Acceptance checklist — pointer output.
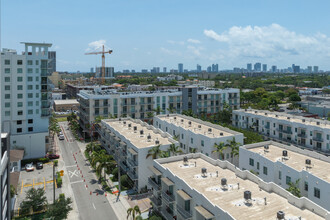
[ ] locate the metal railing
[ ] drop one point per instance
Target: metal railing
(132, 175)
(156, 201)
(153, 184)
(318, 139)
(168, 198)
(184, 213)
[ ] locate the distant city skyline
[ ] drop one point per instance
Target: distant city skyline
(186, 32)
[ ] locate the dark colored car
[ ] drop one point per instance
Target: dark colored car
(39, 165)
(52, 156)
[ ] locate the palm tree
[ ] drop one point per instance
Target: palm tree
(154, 152)
(158, 110)
(164, 154)
(234, 146)
(133, 212)
(150, 115)
(174, 150)
(294, 188)
(105, 163)
(171, 110)
(193, 150)
(220, 148)
(95, 157)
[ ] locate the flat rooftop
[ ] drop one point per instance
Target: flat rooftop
(293, 118)
(231, 199)
(138, 140)
(295, 160)
(197, 126)
(66, 102)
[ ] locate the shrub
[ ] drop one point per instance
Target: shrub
(115, 172)
(126, 181)
(55, 163)
(59, 179)
(44, 160)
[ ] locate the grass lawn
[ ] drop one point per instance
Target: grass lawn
(61, 119)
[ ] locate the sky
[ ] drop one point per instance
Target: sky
(162, 33)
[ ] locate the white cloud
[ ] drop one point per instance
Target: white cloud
(195, 50)
(273, 41)
(95, 45)
(193, 41)
(170, 52)
(176, 42)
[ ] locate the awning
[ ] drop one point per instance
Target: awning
(133, 152)
(155, 171)
(183, 195)
(205, 213)
(167, 181)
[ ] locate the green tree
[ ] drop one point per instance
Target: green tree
(294, 188)
(154, 152)
(174, 150)
(294, 98)
(290, 92)
(35, 199)
(171, 110)
(104, 163)
(234, 146)
(220, 148)
(133, 212)
(188, 113)
(158, 110)
(60, 209)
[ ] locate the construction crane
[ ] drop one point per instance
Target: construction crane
(103, 60)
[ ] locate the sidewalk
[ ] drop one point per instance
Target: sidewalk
(120, 207)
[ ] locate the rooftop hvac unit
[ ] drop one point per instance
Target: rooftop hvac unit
(204, 171)
(124, 122)
(223, 182)
(129, 125)
(308, 162)
(318, 123)
(174, 118)
(276, 116)
(119, 119)
(209, 130)
(247, 195)
(182, 120)
(303, 120)
(284, 153)
(280, 215)
(135, 128)
(189, 123)
(157, 142)
(256, 112)
(245, 110)
(168, 115)
(265, 113)
(288, 118)
(221, 134)
(141, 132)
(266, 147)
(149, 137)
(199, 126)
(185, 159)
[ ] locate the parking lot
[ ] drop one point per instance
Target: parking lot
(42, 178)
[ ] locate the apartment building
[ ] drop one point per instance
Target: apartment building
(283, 164)
(197, 187)
(141, 104)
(196, 135)
(129, 141)
(72, 90)
(25, 97)
(305, 132)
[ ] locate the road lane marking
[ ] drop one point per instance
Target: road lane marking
(77, 182)
(71, 166)
(94, 206)
(44, 183)
(22, 187)
(33, 184)
(71, 174)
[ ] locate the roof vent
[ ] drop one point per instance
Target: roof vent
(265, 113)
(204, 171)
(174, 118)
(157, 142)
(129, 125)
(303, 120)
(245, 110)
(223, 182)
(221, 134)
(280, 215)
(199, 126)
(119, 119)
(318, 123)
(247, 195)
(308, 162)
(185, 159)
(135, 128)
(209, 130)
(141, 132)
(168, 115)
(189, 123)
(124, 122)
(288, 118)
(266, 147)
(256, 112)
(149, 137)
(284, 153)
(276, 116)
(182, 120)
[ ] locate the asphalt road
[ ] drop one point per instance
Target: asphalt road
(90, 205)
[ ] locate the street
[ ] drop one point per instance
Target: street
(90, 199)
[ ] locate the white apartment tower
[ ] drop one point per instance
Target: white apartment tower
(26, 98)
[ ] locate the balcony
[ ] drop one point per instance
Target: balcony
(132, 162)
(153, 184)
(165, 213)
(132, 175)
(169, 198)
(302, 135)
(284, 131)
(185, 214)
(156, 201)
(267, 126)
(318, 139)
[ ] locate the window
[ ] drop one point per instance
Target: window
(19, 70)
(258, 166)
(328, 137)
(306, 186)
(30, 87)
(37, 95)
(30, 121)
(280, 175)
(19, 62)
(7, 104)
(7, 79)
(30, 129)
(7, 87)
(30, 79)
(166, 129)
(19, 130)
(191, 140)
(19, 112)
(30, 112)
(19, 104)
(7, 70)
(317, 192)
(37, 86)
(37, 62)
(30, 103)
(29, 62)
(37, 70)
(202, 143)
(30, 70)
(19, 87)
(30, 95)
(265, 170)
(7, 113)
(37, 111)
(288, 180)
(19, 79)
(181, 136)
(251, 162)
(7, 62)
(37, 103)
(19, 96)
(37, 79)
(19, 122)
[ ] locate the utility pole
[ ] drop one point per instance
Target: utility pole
(54, 181)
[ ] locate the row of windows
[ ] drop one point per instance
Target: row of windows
(20, 79)
(19, 122)
(19, 62)
(20, 87)
(30, 112)
(20, 104)
(20, 96)
(19, 130)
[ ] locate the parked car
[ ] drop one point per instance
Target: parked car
(60, 133)
(52, 156)
(29, 167)
(40, 165)
(61, 137)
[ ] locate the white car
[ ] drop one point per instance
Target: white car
(29, 167)
(61, 137)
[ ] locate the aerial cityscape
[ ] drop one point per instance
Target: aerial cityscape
(165, 110)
